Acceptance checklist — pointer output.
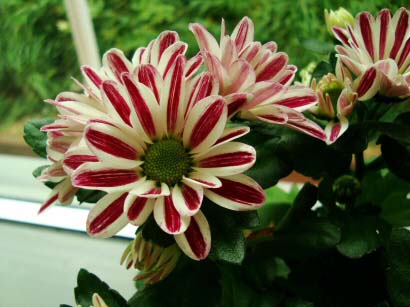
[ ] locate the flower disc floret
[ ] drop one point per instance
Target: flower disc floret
(167, 161)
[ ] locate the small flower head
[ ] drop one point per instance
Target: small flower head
(153, 262)
(376, 50)
(339, 18)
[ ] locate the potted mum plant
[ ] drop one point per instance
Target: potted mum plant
(190, 150)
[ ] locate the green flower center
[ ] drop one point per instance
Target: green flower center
(334, 89)
(167, 161)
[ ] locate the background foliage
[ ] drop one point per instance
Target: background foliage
(38, 55)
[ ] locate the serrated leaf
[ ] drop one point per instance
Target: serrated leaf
(88, 284)
(398, 272)
(35, 138)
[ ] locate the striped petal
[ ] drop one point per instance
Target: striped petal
(264, 93)
(274, 65)
(205, 123)
(203, 86)
(187, 199)
(298, 98)
(149, 76)
(202, 179)
(271, 114)
(195, 242)
(116, 64)
(205, 39)
(164, 40)
(242, 76)
(367, 85)
(193, 64)
(238, 192)
(243, 33)
(227, 159)
(401, 25)
(107, 217)
(74, 159)
(232, 133)
(335, 129)
(236, 101)
(145, 105)
(228, 51)
(215, 67)
(138, 209)
(98, 176)
(382, 24)
(168, 218)
(172, 96)
(112, 144)
(93, 78)
(170, 56)
(116, 100)
(300, 123)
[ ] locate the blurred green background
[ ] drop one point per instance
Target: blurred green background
(38, 56)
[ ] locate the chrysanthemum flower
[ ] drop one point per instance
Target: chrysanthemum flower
(166, 149)
(255, 79)
(377, 52)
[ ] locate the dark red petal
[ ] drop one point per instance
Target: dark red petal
(108, 216)
(402, 27)
(111, 145)
(228, 159)
(172, 217)
(207, 122)
(116, 64)
(273, 68)
(140, 105)
(191, 197)
(92, 75)
(105, 178)
(366, 30)
(367, 81)
(195, 239)
(117, 100)
(136, 208)
(175, 88)
(75, 161)
(147, 76)
(239, 192)
(384, 16)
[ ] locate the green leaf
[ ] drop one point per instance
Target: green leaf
(228, 241)
(306, 237)
(398, 272)
(35, 138)
(89, 196)
(396, 208)
(361, 235)
(88, 284)
(192, 283)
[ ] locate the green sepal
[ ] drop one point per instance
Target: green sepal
(35, 138)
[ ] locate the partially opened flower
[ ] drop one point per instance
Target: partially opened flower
(338, 18)
(168, 150)
(336, 102)
(377, 52)
(255, 79)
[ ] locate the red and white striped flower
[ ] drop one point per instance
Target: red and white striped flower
(167, 149)
(377, 52)
(255, 79)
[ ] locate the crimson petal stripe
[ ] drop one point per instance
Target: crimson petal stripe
(105, 178)
(75, 161)
(228, 159)
(147, 76)
(172, 217)
(174, 98)
(117, 101)
(402, 27)
(116, 64)
(196, 240)
(136, 208)
(239, 192)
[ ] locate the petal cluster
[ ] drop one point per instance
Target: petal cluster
(255, 79)
(376, 50)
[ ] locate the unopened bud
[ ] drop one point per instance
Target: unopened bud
(346, 189)
(338, 18)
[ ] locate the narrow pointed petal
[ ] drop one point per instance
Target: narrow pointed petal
(243, 33)
(271, 114)
(168, 218)
(300, 123)
(145, 105)
(170, 56)
(116, 100)
(228, 51)
(108, 142)
(366, 21)
(187, 199)
(227, 159)
(93, 78)
(383, 21)
(164, 40)
(367, 85)
(75, 160)
(265, 93)
(172, 97)
(298, 98)
(205, 39)
(232, 133)
(204, 86)
(238, 192)
(116, 63)
(236, 101)
(205, 123)
(195, 242)
(97, 176)
(202, 179)
(107, 217)
(215, 67)
(150, 77)
(137, 57)
(402, 29)
(193, 64)
(138, 209)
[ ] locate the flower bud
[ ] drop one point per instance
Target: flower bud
(154, 262)
(346, 188)
(338, 18)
